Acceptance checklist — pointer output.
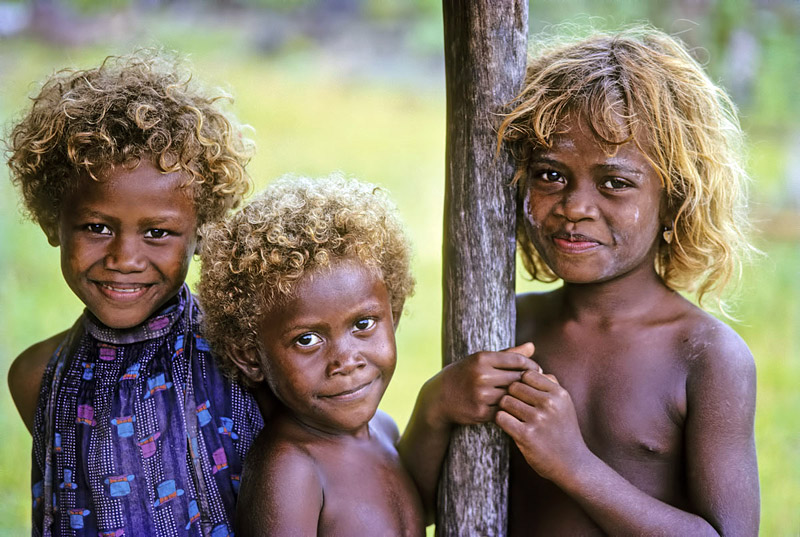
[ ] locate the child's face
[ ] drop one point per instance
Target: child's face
(329, 352)
(590, 215)
(126, 242)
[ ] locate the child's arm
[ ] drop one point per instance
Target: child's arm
(281, 494)
(463, 393)
(25, 376)
(721, 471)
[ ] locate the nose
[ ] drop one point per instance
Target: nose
(345, 360)
(124, 255)
(579, 202)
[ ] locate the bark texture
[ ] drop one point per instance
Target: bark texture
(485, 55)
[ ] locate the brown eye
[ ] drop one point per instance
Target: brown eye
(547, 176)
(308, 340)
(615, 183)
(364, 324)
(100, 229)
(156, 233)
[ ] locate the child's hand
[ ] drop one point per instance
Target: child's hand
(539, 416)
(467, 392)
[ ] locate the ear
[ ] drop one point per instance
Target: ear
(51, 231)
(247, 360)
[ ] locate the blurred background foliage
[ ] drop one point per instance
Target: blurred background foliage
(358, 86)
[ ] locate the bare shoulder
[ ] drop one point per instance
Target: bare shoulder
(713, 344)
(720, 365)
(719, 434)
(25, 376)
(281, 488)
(274, 456)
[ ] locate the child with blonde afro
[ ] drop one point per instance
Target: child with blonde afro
(303, 291)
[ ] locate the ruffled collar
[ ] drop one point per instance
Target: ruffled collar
(157, 325)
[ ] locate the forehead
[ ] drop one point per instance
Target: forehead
(577, 140)
(343, 279)
(143, 188)
(332, 289)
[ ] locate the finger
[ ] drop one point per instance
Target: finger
(540, 381)
(502, 378)
(491, 396)
(517, 408)
(512, 360)
(526, 349)
(528, 394)
(508, 423)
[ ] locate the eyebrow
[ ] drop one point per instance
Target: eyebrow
(367, 307)
(545, 160)
(619, 167)
(89, 214)
(610, 166)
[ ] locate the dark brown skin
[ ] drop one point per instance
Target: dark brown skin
(126, 242)
(301, 481)
(25, 376)
(466, 392)
(642, 420)
(326, 463)
(643, 424)
(638, 418)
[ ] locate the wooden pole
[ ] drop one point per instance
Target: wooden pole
(485, 54)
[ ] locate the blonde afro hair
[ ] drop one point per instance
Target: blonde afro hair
(683, 123)
(141, 106)
(254, 259)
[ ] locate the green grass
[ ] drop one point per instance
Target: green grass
(308, 120)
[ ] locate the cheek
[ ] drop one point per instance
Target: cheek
(533, 213)
(289, 378)
(179, 260)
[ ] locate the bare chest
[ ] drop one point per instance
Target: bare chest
(628, 391)
(367, 492)
(630, 399)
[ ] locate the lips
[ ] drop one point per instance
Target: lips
(574, 243)
(122, 291)
(350, 394)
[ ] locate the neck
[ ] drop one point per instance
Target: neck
(631, 296)
(291, 421)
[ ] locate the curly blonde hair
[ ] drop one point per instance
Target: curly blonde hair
(681, 121)
(253, 260)
(141, 106)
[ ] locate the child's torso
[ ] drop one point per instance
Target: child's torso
(366, 489)
(628, 387)
(370, 492)
(139, 434)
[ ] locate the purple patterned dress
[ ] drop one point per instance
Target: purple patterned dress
(138, 433)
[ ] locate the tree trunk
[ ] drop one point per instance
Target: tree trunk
(485, 55)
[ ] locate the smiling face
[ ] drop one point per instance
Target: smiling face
(126, 242)
(328, 351)
(592, 215)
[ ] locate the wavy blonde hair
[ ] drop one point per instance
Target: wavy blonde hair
(684, 124)
(141, 106)
(254, 259)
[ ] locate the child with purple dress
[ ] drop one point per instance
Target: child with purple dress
(135, 429)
